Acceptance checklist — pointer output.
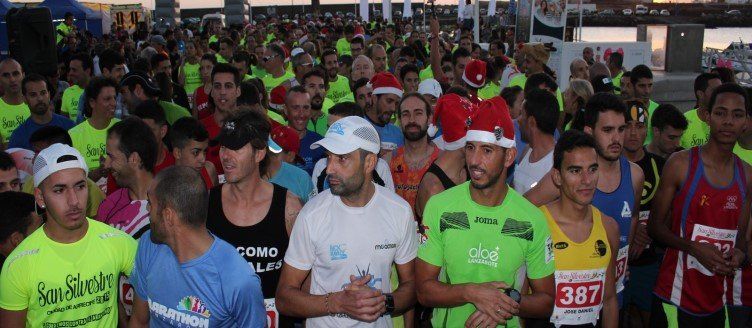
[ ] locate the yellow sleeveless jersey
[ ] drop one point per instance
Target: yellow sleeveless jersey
(580, 272)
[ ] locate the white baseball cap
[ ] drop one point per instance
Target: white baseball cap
(349, 134)
(56, 158)
(430, 87)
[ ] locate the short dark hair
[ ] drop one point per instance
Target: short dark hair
(33, 77)
(16, 213)
(328, 52)
(510, 94)
(93, 90)
(542, 105)
(86, 61)
(361, 82)
(109, 58)
(134, 136)
(183, 190)
(249, 94)
(422, 98)
(726, 74)
(186, 129)
(571, 140)
(6, 161)
(227, 41)
(407, 69)
(151, 109)
(315, 72)
(640, 72)
(158, 58)
(358, 40)
(51, 134)
(730, 88)
(617, 59)
(460, 91)
(241, 56)
(702, 81)
(345, 109)
(668, 115)
(226, 68)
(537, 79)
(211, 58)
(407, 52)
(277, 50)
(459, 53)
(600, 103)
(140, 64)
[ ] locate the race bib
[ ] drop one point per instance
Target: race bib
(221, 179)
(272, 316)
(723, 239)
(579, 297)
(126, 295)
(621, 267)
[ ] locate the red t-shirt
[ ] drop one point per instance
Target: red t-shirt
(201, 100)
(212, 154)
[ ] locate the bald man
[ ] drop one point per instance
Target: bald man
(13, 109)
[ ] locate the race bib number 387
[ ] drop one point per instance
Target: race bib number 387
(579, 296)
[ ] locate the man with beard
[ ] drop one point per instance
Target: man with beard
(339, 86)
(37, 97)
(386, 94)
(80, 255)
(79, 73)
(480, 233)
(537, 122)
(448, 170)
(253, 215)
(701, 213)
(13, 110)
(316, 84)
(619, 182)
(377, 54)
(362, 92)
(176, 257)
(298, 113)
(411, 161)
(348, 238)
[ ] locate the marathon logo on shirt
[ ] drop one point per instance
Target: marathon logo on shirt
(12, 124)
(75, 287)
(198, 315)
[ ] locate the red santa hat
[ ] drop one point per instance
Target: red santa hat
(492, 124)
(452, 113)
(386, 83)
(475, 73)
(277, 98)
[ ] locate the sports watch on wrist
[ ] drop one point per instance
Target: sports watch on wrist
(389, 303)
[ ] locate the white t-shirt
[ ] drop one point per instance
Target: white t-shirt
(382, 169)
(334, 241)
(468, 12)
(527, 174)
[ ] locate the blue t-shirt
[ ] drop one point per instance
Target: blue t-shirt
(310, 156)
(216, 289)
(390, 135)
(294, 179)
(21, 135)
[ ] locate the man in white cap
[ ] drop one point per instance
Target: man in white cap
(82, 258)
(386, 95)
(480, 233)
(348, 238)
(431, 90)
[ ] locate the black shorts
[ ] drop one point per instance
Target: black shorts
(666, 315)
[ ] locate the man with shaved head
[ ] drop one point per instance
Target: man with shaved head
(13, 109)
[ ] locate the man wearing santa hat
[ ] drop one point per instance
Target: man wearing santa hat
(452, 113)
(480, 233)
(386, 95)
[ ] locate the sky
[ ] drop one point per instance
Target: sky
(218, 3)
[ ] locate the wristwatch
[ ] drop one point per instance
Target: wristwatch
(513, 294)
(389, 304)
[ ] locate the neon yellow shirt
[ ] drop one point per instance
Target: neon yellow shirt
(651, 108)
(221, 59)
(520, 80)
(489, 91)
(90, 142)
(61, 31)
(744, 154)
(697, 131)
(276, 117)
(271, 82)
(343, 47)
(192, 77)
(173, 111)
(474, 243)
(258, 71)
(339, 89)
(616, 81)
(70, 101)
(426, 74)
(67, 285)
(11, 116)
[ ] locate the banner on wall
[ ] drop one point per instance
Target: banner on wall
(635, 53)
(549, 19)
(522, 23)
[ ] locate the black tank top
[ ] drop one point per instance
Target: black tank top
(263, 244)
(446, 182)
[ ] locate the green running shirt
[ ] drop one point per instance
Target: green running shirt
(475, 244)
(697, 131)
(71, 95)
(338, 90)
(11, 116)
(68, 285)
(90, 142)
(192, 77)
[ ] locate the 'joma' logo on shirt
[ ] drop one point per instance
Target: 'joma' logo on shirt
(479, 219)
